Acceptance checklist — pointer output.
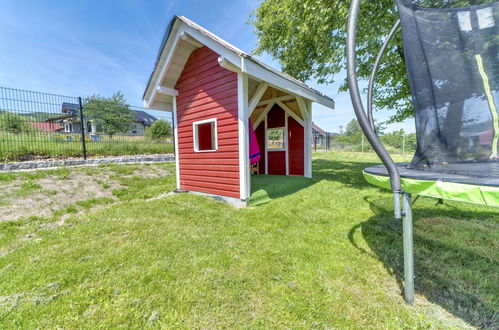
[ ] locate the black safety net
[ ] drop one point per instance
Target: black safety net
(451, 57)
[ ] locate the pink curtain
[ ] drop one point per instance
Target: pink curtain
(254, 150)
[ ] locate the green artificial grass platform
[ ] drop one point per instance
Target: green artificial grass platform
(265, 188)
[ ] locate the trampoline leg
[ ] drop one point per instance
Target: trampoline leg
(408, 249)
(396, 205)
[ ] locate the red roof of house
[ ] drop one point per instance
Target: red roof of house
(318, 129)
(47, 127)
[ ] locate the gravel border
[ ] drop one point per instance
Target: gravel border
(45, 164)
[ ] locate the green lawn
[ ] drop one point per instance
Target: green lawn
(320, 253)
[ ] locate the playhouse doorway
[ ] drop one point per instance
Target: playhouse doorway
(282, 145)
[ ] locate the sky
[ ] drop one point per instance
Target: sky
(85, 47)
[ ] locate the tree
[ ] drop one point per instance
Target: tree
(160, 129)
(353, 127)
(110, 115)
(13, 123)
(308, 38)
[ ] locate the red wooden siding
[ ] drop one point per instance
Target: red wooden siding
(277, 162)
(295, 148)
(206, 91)
(275, 117)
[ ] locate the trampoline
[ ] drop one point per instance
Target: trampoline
(451, 62)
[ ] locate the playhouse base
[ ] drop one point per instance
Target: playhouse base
(236, 202)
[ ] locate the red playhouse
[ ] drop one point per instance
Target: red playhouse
(218, 94)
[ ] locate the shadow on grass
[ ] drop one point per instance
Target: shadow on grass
(455, 274)
(455, 263)
(265, 188)
(348, 173)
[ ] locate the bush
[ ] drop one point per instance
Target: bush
(11, 122)
(160, 129)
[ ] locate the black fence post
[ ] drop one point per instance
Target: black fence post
(82, 122)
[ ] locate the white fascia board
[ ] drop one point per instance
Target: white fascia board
(260, 72)
(163, 65)
(193, 42)
(181, 31)
(246, 65)
(161, 106)
(167, 91)
(228, 65)
(212, 44)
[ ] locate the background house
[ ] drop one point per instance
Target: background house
(45, 126)
(72, 124)
(319, 135)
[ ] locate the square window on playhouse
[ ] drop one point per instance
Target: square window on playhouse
(205, 135)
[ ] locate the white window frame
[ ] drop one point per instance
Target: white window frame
(68, 127)
(196, 138)
(284, 137)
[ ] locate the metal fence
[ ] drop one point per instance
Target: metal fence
(41, 125)
(396, 142)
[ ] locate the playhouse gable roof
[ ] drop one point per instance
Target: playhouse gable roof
(183, 36)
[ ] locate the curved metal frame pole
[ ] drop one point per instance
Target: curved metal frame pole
(357, 102)
(375, 70)
(380, 150)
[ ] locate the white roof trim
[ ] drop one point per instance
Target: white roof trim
(182, 26)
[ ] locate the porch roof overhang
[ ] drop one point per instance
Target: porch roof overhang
(184, 36)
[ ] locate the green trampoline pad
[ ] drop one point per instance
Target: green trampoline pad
(449, 189)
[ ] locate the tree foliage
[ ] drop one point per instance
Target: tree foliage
(110, 115)
(308, 38)
(160, 129)
(353, 127)
(14, 123)
(400, 140)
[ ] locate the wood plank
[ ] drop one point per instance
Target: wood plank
(218, 168)
(220, 115)
(183, 148)
(200, 83)
(208, 110)
(206, 61)
(210, 185)
(234, 174)
(208, 162)
(211, 93)
(213, 180)
(224, 97)
(220, 79)
(218, 155)
(200, 73)
(212, 191)
(213, 87)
